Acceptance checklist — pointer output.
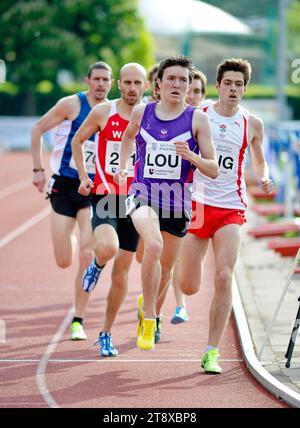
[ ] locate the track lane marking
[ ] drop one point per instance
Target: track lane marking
(16, 187)
(113, 360)
(28, 224)
(41, 368)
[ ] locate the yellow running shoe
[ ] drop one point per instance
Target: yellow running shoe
(77, 331)
(141, 314)
(210, 362)
(147, 335)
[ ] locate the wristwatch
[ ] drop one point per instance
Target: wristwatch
(123, 172)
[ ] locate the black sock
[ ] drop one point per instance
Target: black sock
(77, 319)
(99, 267)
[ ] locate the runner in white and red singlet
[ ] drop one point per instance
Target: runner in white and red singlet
(223, 201)
(114, 234)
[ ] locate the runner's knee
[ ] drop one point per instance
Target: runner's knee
(223, 280)
(153, 249)
(106, 251)
(188, 286)
(64, 251)
(63, 260)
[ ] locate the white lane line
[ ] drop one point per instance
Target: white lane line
(41, 368)
(20, 185)
(115, 360)
(254, 365)
(43, 362)
(22, 404)
(24, 227)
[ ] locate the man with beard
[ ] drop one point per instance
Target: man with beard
(68, 207)
(114, 233)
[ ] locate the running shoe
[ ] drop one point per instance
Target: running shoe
(158, 329)
(107, 348)
(90, 277)
(77, 332)
(140, 315)
(210, 362)
(146, 338)
(180, 315)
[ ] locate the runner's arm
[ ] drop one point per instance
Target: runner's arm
(61, 111)
(259, 164)
(206, 162)
(127, 143)
(88, 127)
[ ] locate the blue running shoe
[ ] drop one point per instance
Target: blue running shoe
(90, 277)
(180, 315)
(107, 348)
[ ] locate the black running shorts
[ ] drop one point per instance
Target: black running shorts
(174, 222)
(64, 196)
(110, 209)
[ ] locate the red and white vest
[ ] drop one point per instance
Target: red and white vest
(108, 149)
(230, 137)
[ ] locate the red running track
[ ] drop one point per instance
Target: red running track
(41, 367)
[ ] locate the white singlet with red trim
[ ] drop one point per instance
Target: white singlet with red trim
(230, 137)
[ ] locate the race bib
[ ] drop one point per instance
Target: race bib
(112, 159)
(161, 161)
(50, 184)
(89, 156)
(227, 160)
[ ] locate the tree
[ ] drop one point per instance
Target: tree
(38, 38)
(110, 30)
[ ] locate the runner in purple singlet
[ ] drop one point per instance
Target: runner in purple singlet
(169, 136)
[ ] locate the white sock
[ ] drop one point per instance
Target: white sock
(208, 348)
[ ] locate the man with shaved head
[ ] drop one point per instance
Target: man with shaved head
(114, 233)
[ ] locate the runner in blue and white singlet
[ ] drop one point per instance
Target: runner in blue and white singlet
(61, 161)
(68, 206)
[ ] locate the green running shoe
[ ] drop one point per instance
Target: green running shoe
(210, 362)
(77, 332)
